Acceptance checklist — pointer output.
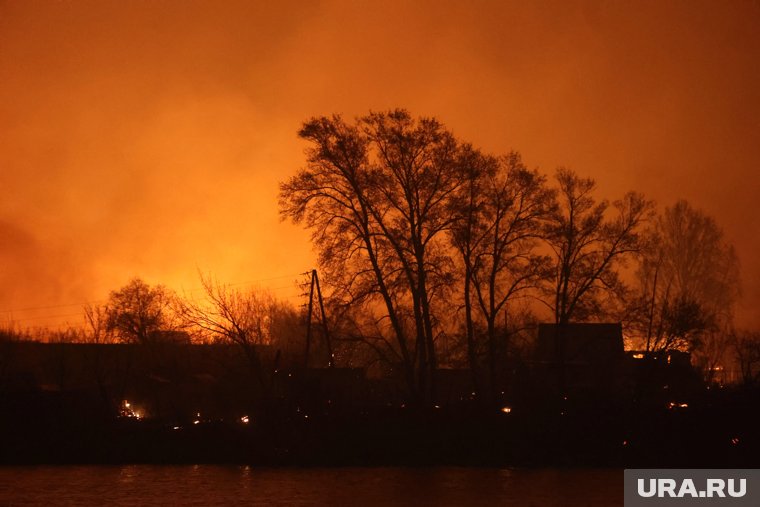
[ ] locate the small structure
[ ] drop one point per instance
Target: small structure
(578, 357)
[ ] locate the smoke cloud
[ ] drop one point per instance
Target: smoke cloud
(147, 138)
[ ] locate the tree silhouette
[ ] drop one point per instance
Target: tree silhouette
(500, 211)
(391, 201)
(247, 319)
(688, 282)
(137, 312)
(747, 348)
(375, 196)
(588, 247)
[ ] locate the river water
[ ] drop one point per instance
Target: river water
(241, 485)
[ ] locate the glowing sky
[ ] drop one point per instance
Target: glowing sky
(147, 138)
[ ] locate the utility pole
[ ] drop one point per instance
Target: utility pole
(308, 321)
(323, 317)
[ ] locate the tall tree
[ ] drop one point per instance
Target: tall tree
(688, 282)
(332, 196)
(501, 209)
(467, 236)
(375, 196)
(588, 247)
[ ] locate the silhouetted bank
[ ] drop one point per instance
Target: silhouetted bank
(181, 403)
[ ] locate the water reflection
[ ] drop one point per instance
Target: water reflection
(226, 485)
(126, 474)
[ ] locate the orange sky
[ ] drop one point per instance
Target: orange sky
(147, 137)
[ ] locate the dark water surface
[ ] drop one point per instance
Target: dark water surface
(242, 485)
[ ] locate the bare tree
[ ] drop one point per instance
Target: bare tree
(500, 213)
(467, 237)
(588, 247)
(375, 196)
(332, 197)
(137, 312)
(244, 318)
(688, 283)
(104, 370)
(96, 325)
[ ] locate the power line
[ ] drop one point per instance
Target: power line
(251, 282)
(65, 305)
(10, 312)
(13, 310)
(45, 317)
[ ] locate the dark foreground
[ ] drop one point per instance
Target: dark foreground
(715, 430)
(210, 485)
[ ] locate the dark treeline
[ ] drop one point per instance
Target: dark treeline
(434, 254)
(437, 253)
(437, 261)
